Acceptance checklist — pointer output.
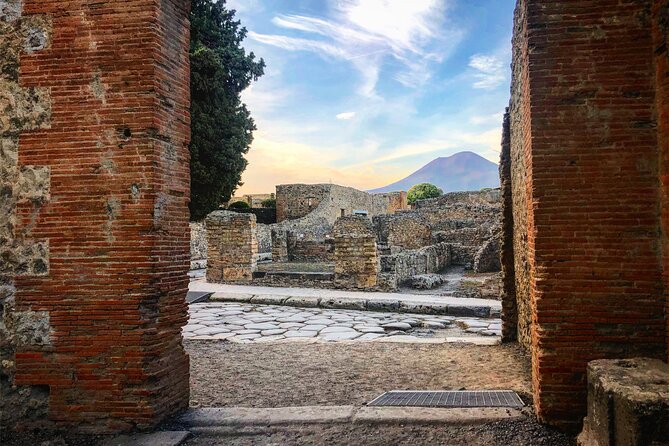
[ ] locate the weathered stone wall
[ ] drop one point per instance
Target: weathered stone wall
(279, 245)
(264, 236)
(584, 162)
(397, 269)
(397, 201)
(233, 247)
(330, 201)
(487, 258)
(509, 305)
(198, 241)
(94, 171)
(355, 255)
(403, 230)
(301, 250)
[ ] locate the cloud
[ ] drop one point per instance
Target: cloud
(364, 32)
(490, 71)
(346, 116)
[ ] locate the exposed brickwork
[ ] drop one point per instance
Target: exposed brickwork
(584, 164)
(232, 247)
(356, 259)
(310, 250)
(112, 152)
(661, 42)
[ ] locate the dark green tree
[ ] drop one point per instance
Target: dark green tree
(423, 191)
(221, 125)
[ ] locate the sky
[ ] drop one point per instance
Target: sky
(364, 92)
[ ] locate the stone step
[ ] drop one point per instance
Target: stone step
(227, 420)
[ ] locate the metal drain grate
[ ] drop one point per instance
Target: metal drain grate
(483, 398)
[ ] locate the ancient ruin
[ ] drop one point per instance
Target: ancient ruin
(94, 223)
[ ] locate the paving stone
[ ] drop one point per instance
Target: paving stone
(321, 321)
(223, 336)
(275, 332)
(342, 324)
(412, 322)
(194, 327)
(397, 326)
(475, 330)
(261, 326)
(246, 337)
(211, 331)
(369, 337)
(338, 330)
(270, 339)
(369, 329)
(433, 324)
(294, 318)
(312, 328)
(248, 331)
(303, 301)
(233, 327)
(300, 334)
(342, 336)
(497, 327)
(289, 325)
(474, 324)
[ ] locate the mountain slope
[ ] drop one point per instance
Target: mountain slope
(463, 171)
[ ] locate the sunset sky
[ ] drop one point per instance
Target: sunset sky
(364, 92)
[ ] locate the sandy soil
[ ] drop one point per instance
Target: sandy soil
(295, 374)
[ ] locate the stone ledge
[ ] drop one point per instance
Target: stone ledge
(628, 403)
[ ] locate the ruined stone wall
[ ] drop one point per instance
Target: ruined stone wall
(403, 230)
(355, 255)
(397, 201)
(397, 269)
(233, 247)
(661, 42)
(310, 250)
(295, 201)
(584, 162)
(509, 303)
(94, 168)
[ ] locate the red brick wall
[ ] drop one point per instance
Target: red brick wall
(591, 191)
(661, 40)
(117, 221)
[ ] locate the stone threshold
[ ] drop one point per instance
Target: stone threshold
(351, 300)
(228, 420)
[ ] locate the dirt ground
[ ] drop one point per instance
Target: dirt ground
(297, 374)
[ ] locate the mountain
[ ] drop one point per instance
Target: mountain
(463, 171)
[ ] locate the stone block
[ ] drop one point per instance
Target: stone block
(628, 403)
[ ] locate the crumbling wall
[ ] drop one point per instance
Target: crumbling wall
(295, 201)
(94, 171)
(233, 247)
(509, 304)
(403, 230)
(397, 269)
(355, 254)
(584, 174)
(301, 250)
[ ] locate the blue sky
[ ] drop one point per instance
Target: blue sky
(364, 92)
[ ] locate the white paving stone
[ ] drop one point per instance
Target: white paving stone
(300, 334)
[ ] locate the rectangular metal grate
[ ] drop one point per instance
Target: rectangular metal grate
(450, 398)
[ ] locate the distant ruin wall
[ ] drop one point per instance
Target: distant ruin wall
(584, 173)
(397, 269)
(403, 230)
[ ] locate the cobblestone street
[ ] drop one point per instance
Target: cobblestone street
(248, 323)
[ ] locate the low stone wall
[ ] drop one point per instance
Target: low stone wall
(264, 235)
(310, 250)
(233, 247)
(198, 245)
(355, 253)
(404, 230)
(397, 269)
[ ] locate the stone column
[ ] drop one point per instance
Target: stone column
(94, 129)
(279, 245)
(232, 254)
(355, 253)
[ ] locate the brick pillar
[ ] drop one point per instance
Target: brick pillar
(279, 245)
(584, 154)
(356, 258)
(95, 180)
(661, 42)
(232, 254)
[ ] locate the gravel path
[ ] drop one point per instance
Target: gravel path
(247, 323)
(292, 374)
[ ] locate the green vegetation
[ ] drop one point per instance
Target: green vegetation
(222, 127)
(269, 203)
(423, 191)
(239, 205)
